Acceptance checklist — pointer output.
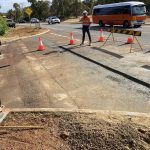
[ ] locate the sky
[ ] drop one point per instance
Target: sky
(8, 4)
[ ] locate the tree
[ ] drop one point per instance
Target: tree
(3, 26)
(32, 1)
(18, 13)
(40, 9)
(11, 14)
(67, 8)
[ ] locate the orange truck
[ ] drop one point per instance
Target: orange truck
(128, 14)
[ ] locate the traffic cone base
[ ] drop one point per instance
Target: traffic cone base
(41, 48)
(130, 40)
(101, 39)
(71, 42)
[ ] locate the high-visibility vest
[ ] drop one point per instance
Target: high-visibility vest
(86, 21)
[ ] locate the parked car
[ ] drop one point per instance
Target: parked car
(21, 21)
(11, 23)
(34, 20)
(53, 20)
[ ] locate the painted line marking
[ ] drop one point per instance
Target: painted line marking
(57, 29)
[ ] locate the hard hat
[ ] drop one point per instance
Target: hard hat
(85, 12)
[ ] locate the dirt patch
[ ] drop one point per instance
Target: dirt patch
(21, 31)
(75, 131)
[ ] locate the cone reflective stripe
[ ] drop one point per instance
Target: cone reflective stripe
(71, 39)
(101, 37)
(41, 46)
(130, 40)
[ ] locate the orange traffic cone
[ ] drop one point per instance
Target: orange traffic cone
(101, 37)
(71, 39)
(130, 40)
(41, 46)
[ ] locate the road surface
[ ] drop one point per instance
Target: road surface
(71, 76)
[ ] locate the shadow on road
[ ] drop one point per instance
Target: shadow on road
(48, 53)
(4, 66)
(31, 52)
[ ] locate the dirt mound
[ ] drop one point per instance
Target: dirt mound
(76, 131)
(21, 31)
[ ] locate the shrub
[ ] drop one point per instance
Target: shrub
(3, 26)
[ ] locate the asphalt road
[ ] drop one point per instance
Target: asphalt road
(76, 28)
(71, 76)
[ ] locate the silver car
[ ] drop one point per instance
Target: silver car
(52, 20)
(34, 20)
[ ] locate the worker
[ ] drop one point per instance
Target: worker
(85, 27)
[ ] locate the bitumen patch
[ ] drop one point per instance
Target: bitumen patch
(108, 52)
(127, 76)
(48, 53)
(146, 67)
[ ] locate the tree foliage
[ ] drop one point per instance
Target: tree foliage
(18, 13)
(3, 26)
(67, 8)
(11, 14)
(40, 9)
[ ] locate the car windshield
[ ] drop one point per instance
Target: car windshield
(54, 18)
(9, 20)
(139, 10)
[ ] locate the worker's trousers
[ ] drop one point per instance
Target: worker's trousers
(84, 30)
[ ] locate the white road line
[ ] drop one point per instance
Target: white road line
(4, 45)
(57, 29)
(67, 37)
(59, 35)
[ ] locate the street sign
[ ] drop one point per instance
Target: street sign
(28, 11)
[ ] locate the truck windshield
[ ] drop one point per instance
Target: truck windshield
(138, 10)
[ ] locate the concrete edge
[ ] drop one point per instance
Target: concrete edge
(24, 37)
(124, 113)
